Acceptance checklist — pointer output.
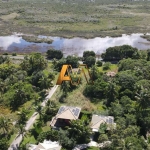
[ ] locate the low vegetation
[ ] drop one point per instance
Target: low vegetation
(36, 39)
(74, 18)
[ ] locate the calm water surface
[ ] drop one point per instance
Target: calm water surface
(73, 46)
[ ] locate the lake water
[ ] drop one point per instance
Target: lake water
(73, 46)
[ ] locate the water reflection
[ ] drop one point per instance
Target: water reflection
(17, 44)
(74, 46)
(99, 45)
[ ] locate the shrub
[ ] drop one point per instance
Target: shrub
(102, 138)
(51, 54)
(5, 53)
(106, 66)
(99, 63)
(90, 61)
(14, 54)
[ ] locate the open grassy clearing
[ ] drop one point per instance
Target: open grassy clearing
(74, 18)
(113, 67)
(76, 97)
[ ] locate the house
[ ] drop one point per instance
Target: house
(64, 115)
(98, 120)
(46, 145)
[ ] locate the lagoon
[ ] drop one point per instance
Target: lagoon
(72, 46)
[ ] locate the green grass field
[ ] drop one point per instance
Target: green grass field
(113, 67)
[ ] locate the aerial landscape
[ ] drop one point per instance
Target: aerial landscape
(74, 75)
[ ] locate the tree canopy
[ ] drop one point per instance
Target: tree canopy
(51, 54)
(119, 52)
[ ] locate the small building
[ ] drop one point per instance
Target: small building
(64, 115)
(98, 120)
(46, 145)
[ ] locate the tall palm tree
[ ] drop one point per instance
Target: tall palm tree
(21, 130)
(19, 98)
(2, 87)
(22, 116)
(51, 108)
(111, 92)
(143, 98)
(31, 61)
(65, 87)
(78, 130)
(45, 82)
(39, 110)
(5, 125)
(8, 61)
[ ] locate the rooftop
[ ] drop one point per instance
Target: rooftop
(98, 120)
(46, 145)
(66, 113)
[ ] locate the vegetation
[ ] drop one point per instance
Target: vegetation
(70, 60)
(22, 86)
(90, 61)
(99, 63)
(127, 99)
(89, 58)
(125, 96)
(70, 18)
(36, 39)
(76, 133)
(119, 52)
(54, 54)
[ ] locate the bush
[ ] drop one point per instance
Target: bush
(90, 61)
(99, 63)
(102, 138)
(51, 54)
(106, 66)
(5, 53)
(88, 53)
(14, 54)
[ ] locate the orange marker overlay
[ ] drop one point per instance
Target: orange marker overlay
(65, 74)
